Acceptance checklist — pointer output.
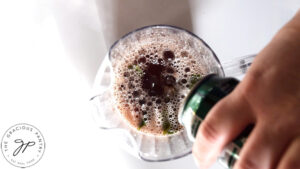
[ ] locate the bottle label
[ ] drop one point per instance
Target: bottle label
(201, 99)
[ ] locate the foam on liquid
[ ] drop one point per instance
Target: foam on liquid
(154, 70)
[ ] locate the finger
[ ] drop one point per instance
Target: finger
(223, 123)
(291, 158)
(263, 148)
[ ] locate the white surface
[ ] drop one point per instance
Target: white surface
(50, 51)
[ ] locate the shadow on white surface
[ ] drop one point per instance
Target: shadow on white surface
(118, 17)
(80, 33)
(88, 28)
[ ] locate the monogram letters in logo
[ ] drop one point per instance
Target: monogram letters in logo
(23, 145)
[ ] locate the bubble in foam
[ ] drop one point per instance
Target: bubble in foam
(183, 81)
(158, 101)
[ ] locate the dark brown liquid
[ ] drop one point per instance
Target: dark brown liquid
(168, 55)
(152, 80)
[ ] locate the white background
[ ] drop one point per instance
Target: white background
(50, 52)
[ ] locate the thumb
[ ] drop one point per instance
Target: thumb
(226, 120)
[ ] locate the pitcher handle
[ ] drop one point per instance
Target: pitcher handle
(238, 66)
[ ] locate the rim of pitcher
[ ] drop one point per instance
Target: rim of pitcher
(168, 26)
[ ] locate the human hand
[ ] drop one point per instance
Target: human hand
(269, 98)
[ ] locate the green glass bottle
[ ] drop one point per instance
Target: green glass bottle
(204, 95)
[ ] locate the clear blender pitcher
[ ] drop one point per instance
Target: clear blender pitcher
(144, 145)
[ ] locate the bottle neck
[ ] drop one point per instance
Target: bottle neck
(204, 95)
